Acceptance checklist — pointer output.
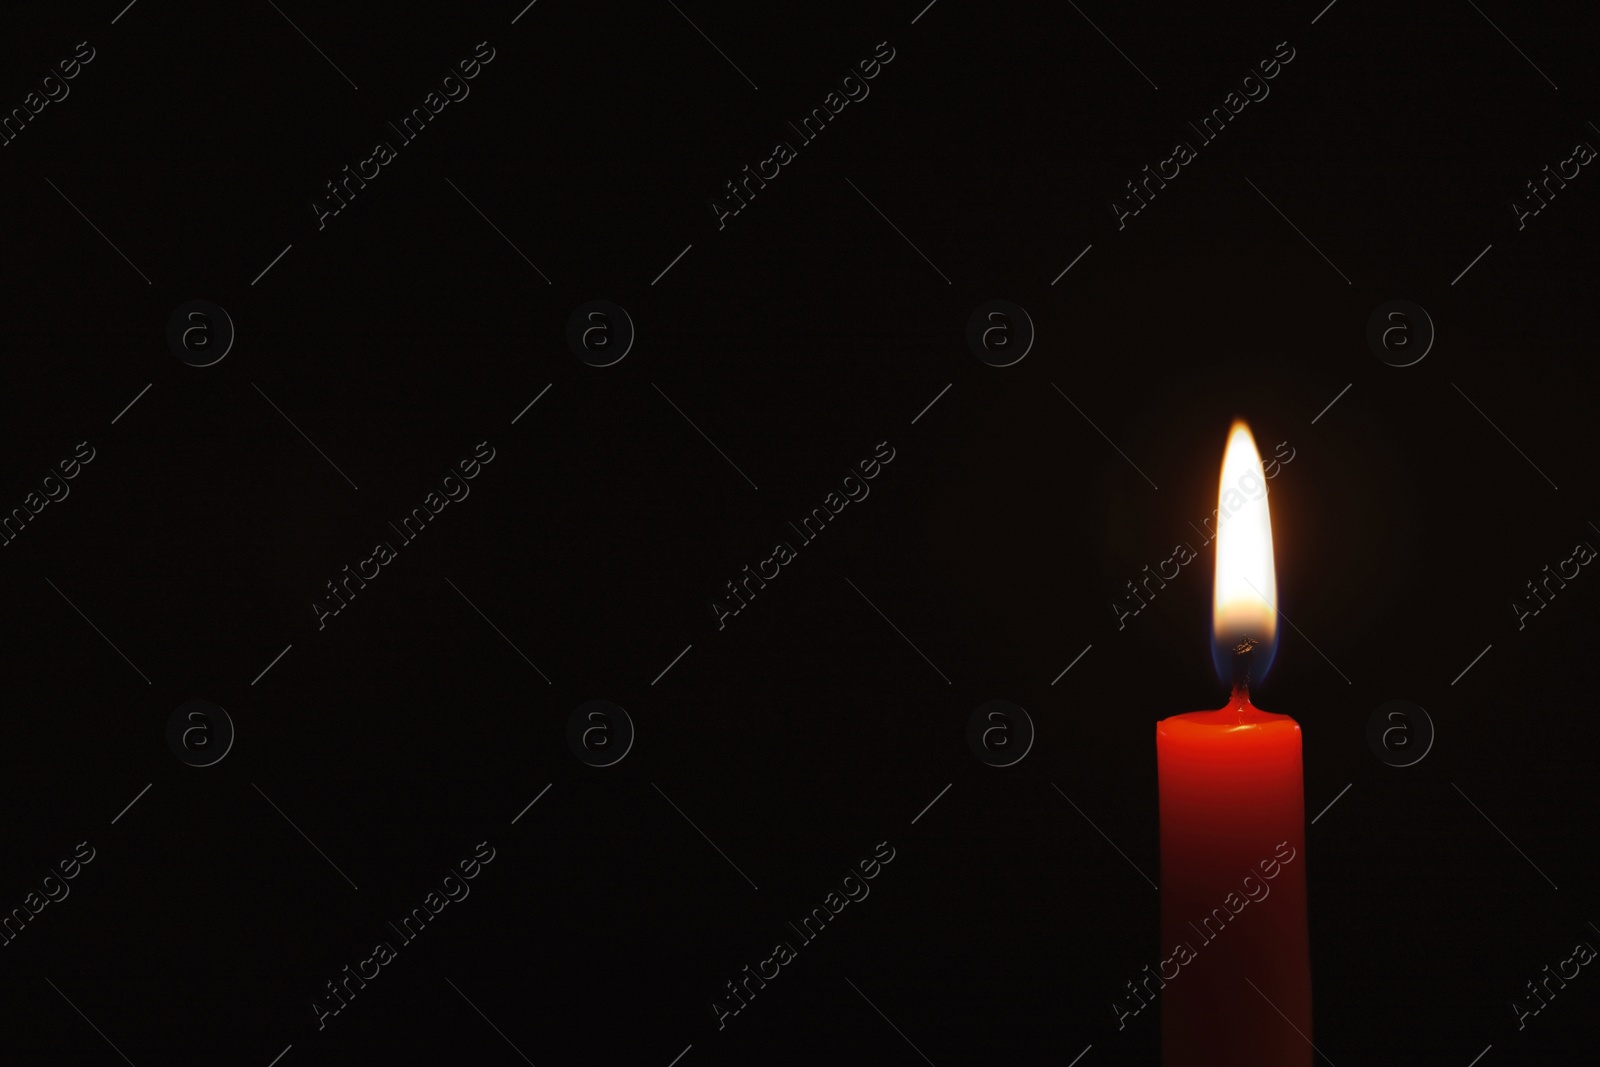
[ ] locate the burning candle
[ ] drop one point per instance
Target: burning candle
(1236, 987)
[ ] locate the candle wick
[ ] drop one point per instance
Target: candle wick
(1243, 661)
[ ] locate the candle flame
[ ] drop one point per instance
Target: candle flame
(1245, 596)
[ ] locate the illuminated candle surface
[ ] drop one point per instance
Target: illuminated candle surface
(1236, 956)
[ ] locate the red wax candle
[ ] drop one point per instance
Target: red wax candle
(1235, 973)
(1233, 890)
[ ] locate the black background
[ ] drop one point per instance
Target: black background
(796, 338)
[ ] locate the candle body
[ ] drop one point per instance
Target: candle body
(1233, 890)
